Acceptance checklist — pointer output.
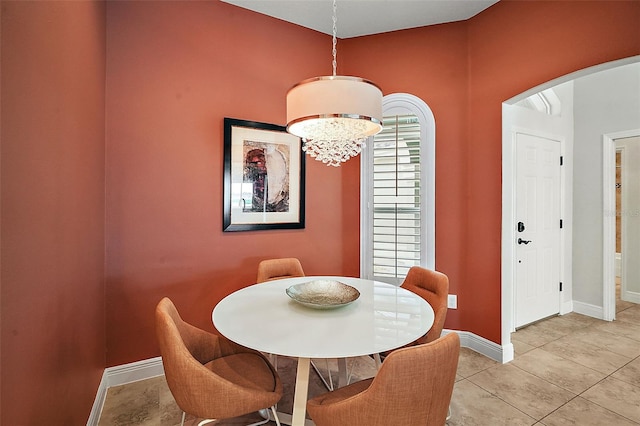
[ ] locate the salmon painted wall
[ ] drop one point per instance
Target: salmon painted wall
(464, 71)
(515, 47)
(430, 63)
(174, 71)
(52, 195)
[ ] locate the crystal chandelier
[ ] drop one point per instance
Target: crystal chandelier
(334, 115)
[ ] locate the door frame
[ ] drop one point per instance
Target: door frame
(507, 209)
(508, 245)
(609, 221)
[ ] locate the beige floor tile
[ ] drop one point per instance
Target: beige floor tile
(631, 315)
(609, 341)
(471, 362)
(536, 335)
(559, 371)
(621, 328)
(620, 397)
(630, 373)
(587, 354)
(521, 348)
(581, 412)
(568, 323)
(473, 406)
(583, 319)
(524, 391)
(622, 305)
(132, 404)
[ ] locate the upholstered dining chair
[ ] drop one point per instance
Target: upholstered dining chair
(413, 387)
(211, 377)
(274, 269)
(432, 286)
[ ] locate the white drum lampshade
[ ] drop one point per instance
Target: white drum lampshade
(334, 115)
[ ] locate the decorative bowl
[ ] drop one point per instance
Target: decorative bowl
(323, 294)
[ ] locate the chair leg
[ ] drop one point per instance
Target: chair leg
(376, 357)
(183, 416)
(326, 363)
(350, 371)
(264, 413)
(204, 422)
(448, 414)
(275, 415)
(329, 386)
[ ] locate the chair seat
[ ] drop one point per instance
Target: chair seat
(341, 393)
(244, 369)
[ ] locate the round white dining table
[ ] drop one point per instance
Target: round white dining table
(263, 317)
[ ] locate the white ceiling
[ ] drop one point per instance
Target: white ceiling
(364, 17)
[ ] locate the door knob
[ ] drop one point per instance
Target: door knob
(521, 241)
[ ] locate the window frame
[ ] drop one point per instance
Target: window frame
(402, 104)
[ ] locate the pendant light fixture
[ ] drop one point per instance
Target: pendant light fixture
(334, 115)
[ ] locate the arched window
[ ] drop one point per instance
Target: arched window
(398, 192)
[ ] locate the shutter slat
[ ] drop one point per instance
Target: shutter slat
(396, 197)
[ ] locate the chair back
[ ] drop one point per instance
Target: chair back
(432, 286)
(209, 376)
(274, 269)
(418, 381)
(413, 387)
(184, 349)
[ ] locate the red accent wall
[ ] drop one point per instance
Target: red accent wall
(52, 179)
(430, 63)
(174, 71)
(464, 71)
(512, 48)
(134, 107)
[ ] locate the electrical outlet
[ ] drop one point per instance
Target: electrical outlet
(452, 301)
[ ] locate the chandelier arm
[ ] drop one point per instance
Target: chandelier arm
(335, 40)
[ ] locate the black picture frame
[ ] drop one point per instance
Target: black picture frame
(264, 177)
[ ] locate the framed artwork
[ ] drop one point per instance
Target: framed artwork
(264, 170)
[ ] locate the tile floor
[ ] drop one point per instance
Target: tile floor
(568, 370)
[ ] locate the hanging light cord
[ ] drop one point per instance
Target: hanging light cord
(335, 42)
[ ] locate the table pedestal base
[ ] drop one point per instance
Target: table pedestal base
(287, 419)
(301, 392)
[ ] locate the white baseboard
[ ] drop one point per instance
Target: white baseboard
(588, 309)
(120, 375)
(566, 307)
(483, 346)
(139, 370)
(101, 395)
(632, 296)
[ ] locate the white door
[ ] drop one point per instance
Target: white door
(537, 289)
(630, 216)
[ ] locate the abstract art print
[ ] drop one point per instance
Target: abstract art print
(263, 177)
